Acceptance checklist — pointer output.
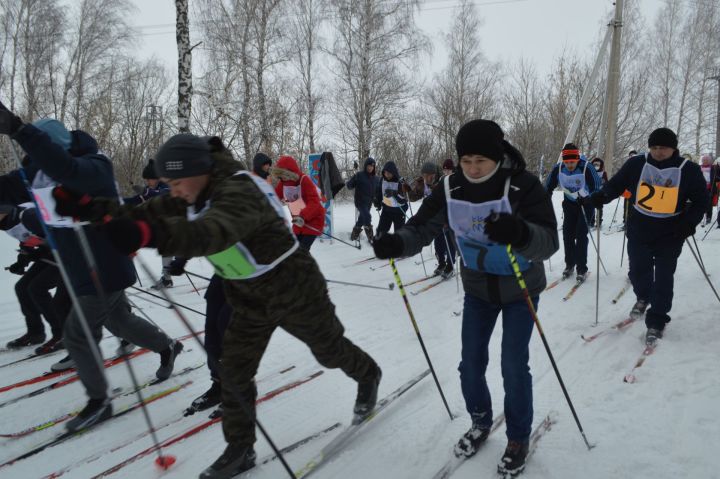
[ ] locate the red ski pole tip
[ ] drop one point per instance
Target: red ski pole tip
(165, 462)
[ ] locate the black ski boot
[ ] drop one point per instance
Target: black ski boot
(471, 441)
(652, 336)
(63, 365)
(440, 268)
(355, 233)
(366, 397)
(208, 399)
(96, 410)
(233, 461)
(447, 272)
(163, 282)
(581, 277)
(638, 309)
(54, 344)
(512, 462)
(369, 233)
(167, 360)
(26, 339)
(567, 272)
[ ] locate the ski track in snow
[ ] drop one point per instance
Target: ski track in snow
(663, 426)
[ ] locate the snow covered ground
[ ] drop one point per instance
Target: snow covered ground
(665, 425)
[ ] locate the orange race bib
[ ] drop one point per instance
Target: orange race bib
(657, 199)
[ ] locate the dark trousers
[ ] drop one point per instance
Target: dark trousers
(652, 273)
(391, 216)
(293, 296)
(364, 217)
(306, 241)
(445, 247)
(575, 234)
(479, 319)
(114, 313)
(33, 293)
(217, 317)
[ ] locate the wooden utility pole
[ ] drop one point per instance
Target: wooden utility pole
(613, 90)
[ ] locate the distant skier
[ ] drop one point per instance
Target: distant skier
(235, 220)
(599, 166)
(444, 243)
(490, 202)
(710, 173)
(390, 200)
(669, 198)
(298, 191)
(364, 183)
(575, 179)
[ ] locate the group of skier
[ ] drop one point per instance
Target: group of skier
(201, 202)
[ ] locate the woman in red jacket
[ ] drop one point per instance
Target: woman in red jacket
(298, 191)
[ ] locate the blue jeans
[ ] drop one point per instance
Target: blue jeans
(364, 217)
(479, 319)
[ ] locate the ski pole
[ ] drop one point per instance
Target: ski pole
(160, 297)
(622, 253)
(417, 332)
(421, 255)
(225, 380)
(357, 245)
(710, 228)
(698, 252)
(389, 286)
(589, 233)
(597, 267)
(163, 461)
(533, 313)
(453, 261)
(198, 275)
(617, 204)
(702, 269)
(191, 283)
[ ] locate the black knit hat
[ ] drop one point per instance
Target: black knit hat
(663, 137)
(182, 156)
(480, 137)
(148, 172)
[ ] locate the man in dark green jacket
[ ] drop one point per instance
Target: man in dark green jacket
(233, 219)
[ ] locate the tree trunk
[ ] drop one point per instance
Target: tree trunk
(182, 35)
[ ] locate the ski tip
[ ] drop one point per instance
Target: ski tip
(165, 462)
(629, 378)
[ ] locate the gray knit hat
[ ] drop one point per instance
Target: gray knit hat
(182, 156)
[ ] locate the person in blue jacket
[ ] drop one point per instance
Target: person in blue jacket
(576, 178)
(70, 165)
(390, 199)
(668, 198)
(364, 183)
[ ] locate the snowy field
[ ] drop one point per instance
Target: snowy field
(665, 425)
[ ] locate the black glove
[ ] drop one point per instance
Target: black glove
(388, 245)
(126, 235)
(19, 266)
(70, 203)
(176, 267)
(596, 200)
(507, 229)
(10, 123)
(684, 230)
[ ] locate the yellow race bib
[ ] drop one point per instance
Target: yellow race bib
(657, 199)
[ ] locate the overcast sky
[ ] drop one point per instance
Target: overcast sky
(535, 29)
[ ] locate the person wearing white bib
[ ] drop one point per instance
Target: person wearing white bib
(710, 173)
(390, 199)
(303, 198)
(490, 202)
(235, 220)
(575, 177)
(669, 198)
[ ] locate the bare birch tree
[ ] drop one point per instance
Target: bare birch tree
(185, 88)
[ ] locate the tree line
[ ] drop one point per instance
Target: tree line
(299, 76)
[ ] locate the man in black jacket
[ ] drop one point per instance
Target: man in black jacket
(668, 201)
(73, 161)
(364, 183)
